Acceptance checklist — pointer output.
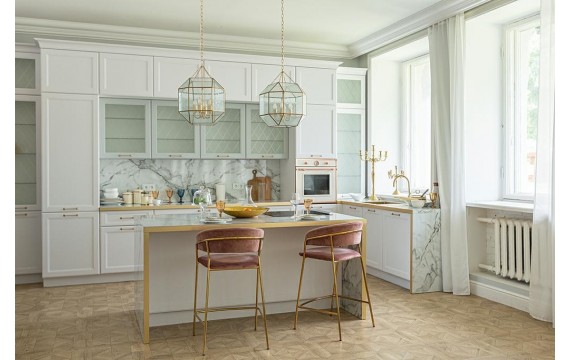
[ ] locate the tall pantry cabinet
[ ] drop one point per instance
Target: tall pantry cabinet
(70, 163)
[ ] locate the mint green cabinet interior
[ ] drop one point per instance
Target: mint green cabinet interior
(351, 90)
(172, 136)
(125, 128)
(226, 138)
(27, 152)
(27, 73)
(350, 137)
(264, 142)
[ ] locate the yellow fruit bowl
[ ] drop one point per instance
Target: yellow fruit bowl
(244, 211)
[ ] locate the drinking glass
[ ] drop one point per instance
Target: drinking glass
(180, 193)
(433, 198)
(295, 200)
(155, 194)
(220, 205)
(308, 203)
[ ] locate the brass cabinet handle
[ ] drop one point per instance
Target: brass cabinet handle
(223, 156)
(66, 209)
(127, 229)
(125, 155)
(267, 156)
(70, 215)
(21, 214)
(176, 156)
(352, 208)
(396, 214)
(21, 208)
(371, 210)
(320, 156)
(127, 218)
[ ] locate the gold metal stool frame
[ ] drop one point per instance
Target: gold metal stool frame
(334, 296)
(206, 310)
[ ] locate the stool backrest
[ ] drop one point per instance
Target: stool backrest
(230, 240)
(344, 234)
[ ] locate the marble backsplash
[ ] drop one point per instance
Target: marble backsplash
(129, 174)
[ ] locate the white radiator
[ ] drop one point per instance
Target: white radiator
(512, 248)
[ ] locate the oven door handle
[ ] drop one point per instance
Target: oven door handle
(314, 168)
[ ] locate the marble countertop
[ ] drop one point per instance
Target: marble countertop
(404, 208)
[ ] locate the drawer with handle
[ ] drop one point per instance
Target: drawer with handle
(121, 218)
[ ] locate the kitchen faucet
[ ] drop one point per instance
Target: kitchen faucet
(396, 177)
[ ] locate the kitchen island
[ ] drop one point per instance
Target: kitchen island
(164, 291)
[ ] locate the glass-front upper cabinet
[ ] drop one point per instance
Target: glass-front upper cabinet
(351, 88)
(172, 136)
(27, 73)
(262, 141)
(27, 158)
(226, 138)
(125, 128)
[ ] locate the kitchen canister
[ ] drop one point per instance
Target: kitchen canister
(137, 195)
(128, 197)
(220, 192)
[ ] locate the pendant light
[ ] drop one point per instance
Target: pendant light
(201, 99)
(282, 103)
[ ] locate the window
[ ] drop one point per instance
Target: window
(521, 56)
(417, 115)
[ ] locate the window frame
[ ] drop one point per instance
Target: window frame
(511, 71)
(406, 135)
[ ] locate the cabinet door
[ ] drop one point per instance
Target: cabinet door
(118, 244)
(235, 78)
(226, 138)
(262, 141)
(396, 238)
(27, 73)
(125, 128)
(126, 75)
(350, 140)
(70, 243)
(27, 158)
(352, 210)
(316, 134)
(170, 74)
(73, 72)
(374, 239)
(172, 136)
(263, 75)
(318, 84)
(122, 218)
(28, 245)
(351, 91)
(70, 152)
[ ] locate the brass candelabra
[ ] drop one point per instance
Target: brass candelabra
(371, 156)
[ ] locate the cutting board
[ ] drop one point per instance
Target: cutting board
(260, 187)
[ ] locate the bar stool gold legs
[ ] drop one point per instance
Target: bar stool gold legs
(329, 247)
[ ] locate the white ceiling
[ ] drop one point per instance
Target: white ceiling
(334, 23)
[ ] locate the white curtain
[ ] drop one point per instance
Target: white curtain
(447, 49)
(541, 304)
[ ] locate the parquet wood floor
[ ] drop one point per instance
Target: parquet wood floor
(96, 322)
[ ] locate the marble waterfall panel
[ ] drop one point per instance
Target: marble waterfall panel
(426, 251)
(130, 174)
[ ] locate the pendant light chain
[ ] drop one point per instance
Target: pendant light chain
(202, 31)
(282, 36)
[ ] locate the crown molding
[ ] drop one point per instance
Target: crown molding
(411, 24)
(30, 28)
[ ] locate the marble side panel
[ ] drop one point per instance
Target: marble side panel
(129, 174)
(352, 286)
(426, 251)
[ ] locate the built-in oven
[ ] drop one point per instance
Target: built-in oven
(316, 179)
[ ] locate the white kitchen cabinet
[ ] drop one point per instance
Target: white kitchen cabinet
(125, 128)
(172, 136)
(351, 88)
(170, 74)
(70, 244)
(351, 133)
(264, 74)
(396, 241)
(374, 227)
(318, 84)
(70, 152)
(352, 210)
(234, 77)
(27, 73)
(262, 141)
(226, 138)
(326, 207)
(126, 75)
(28, 244)
(316, 134)
(27, 158)
(72, 72)
(119, 240)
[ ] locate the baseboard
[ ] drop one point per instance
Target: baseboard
(499, 295)
(90, 279)
(28, 279)
(388, 277)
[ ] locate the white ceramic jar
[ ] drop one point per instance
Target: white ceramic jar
(137, 196)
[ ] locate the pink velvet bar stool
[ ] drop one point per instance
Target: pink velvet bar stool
(332, 243)
(229, 249)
